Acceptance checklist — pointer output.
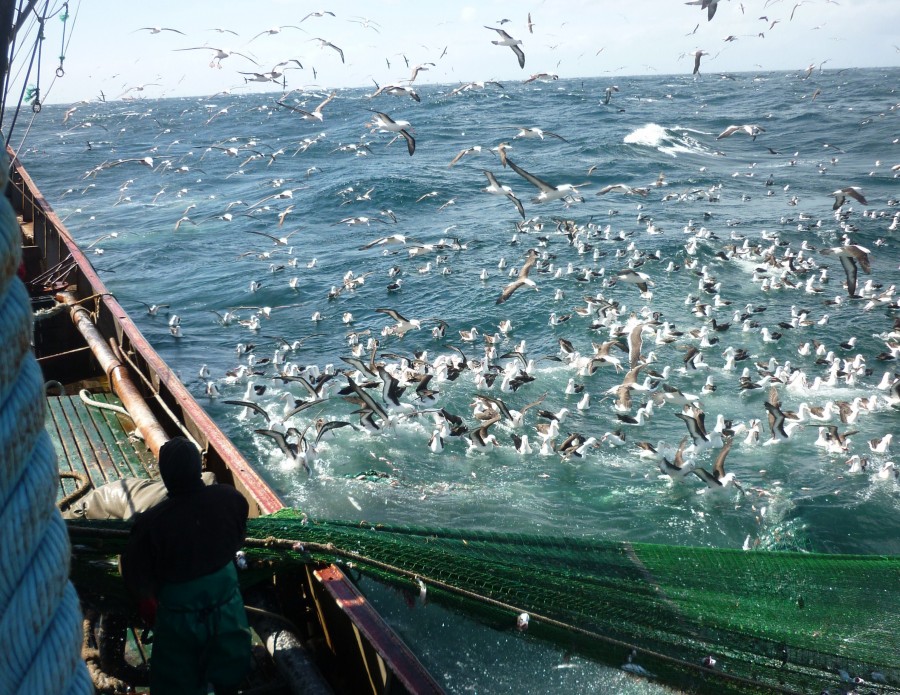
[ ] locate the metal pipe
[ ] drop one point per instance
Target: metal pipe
(144, 419)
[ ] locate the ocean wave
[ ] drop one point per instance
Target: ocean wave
(670, 141)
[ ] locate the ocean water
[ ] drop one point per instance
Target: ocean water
(715, 209)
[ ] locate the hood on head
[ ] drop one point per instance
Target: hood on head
(180, 465)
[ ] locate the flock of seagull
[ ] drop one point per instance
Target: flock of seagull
(626, 350)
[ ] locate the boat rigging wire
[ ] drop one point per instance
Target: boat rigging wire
(64, 18)
(35, 53)
(37, 96)
(60, 71)
(33, 94)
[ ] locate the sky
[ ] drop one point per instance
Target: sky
(109, 50)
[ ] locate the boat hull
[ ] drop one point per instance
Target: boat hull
(361, 652)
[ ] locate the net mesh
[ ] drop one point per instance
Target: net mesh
(771, 621)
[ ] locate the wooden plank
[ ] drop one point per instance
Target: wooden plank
(137, 447)
(94, 441)
(117, 442)
(69, 458)
(112, 434)
(62, 461)
(82, 445)
(134, 452)
(83, 433)
(106, 459)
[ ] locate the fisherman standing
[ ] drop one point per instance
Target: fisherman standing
(179, 564)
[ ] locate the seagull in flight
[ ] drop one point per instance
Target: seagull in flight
(275, 30)
(385, 240)
(474, 149)
(608, 92)
(279, 241)
(273, 74)
(327, 44)
(751, 130)
(522, 278)
(419, 68)
(697, 55)
(719, 480)
(295, 453)
(319, 13)
(153, 309)
(366, 23)
(221, 54)
(547, 190)
(136, 88)
(541, 76)
(634, 277)
(841, 195)
(625, 188)
(315, 114)
(157, 30)
(537, 133)
(385, 124)
(709, 5)
(396, 90)
(507, 40)
(403, 325)
(496, 188)
(677, 469)
(852, 258)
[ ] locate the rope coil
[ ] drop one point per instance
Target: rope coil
(40, 617)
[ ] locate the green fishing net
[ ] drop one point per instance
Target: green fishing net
(700, 619)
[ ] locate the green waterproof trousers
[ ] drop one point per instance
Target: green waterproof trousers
(201, 636)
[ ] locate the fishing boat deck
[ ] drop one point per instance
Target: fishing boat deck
(95, 441)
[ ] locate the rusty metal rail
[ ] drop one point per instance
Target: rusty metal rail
(144, 419)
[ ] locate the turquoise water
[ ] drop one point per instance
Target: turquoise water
(715, 198)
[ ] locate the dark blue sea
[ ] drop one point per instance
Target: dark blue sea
(730, 229)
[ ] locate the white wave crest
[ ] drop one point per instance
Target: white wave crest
(670, 141)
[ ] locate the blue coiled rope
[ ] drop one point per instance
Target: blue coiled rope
(40, 617)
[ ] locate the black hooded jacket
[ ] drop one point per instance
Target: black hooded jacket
(195, 531)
